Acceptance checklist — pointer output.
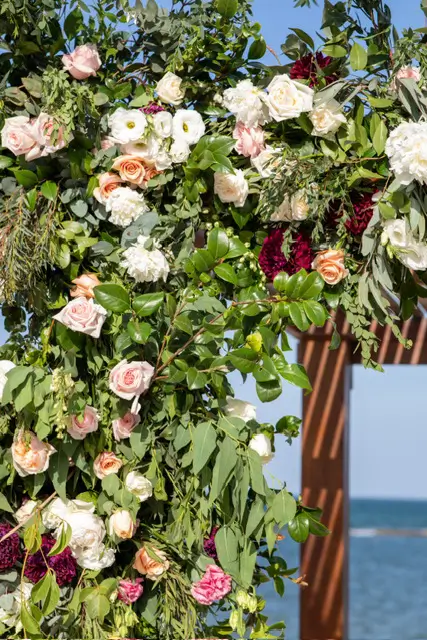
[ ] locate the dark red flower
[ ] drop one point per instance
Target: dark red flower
(151, 108)
(64, 564)
(306, 69)
(272, 260)
(209, 544)
(363, 211)
(10, 549)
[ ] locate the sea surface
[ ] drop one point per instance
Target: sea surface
(388, 575)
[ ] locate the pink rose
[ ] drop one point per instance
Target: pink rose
(250, 140)
(123, 427)
(79, 429)
(107, 182)
(42, 130)
(108, 142)
(17, 136)
(214, 585)
(84, 316)
(406, 72)
(130, 591)
(130, 379)
(83, 62)
(106, 463)
(29, 454)
(85, 285)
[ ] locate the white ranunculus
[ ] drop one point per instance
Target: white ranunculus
(147, 149)
(23, 514)
(139, 485)
(266, 162)
(179, 151)
(127, 124)
(5, 367)
(326, 119)
(95, 558)
(240, 409)
(247, 103)
(188, 126)
(162, 122)
(414, 256)
(397, 232)
(231, 187)
(121, 524)
(262, 445)
(145, 265)
(169, 89)
(59, 511)
(125, 205)
(288, 98)
(406, 148)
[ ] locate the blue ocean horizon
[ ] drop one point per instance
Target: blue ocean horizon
(388, 574)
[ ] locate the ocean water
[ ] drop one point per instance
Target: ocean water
(388, 575)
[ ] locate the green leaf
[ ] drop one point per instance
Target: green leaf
(257, 49)
(32, 538)
(380, 135)
(218, 243)
(224, 466)
(148, 304)
(49, 189)
(32, 199)
(5, 162)
(58, 471)
(62, 540)
(183, 323)
(203, 260)
(298, 317)
(269, 391)
(256, 516)
(315, 312)
(299, 527)
(316, 527)
(358, 57)
(97, 606)
(139, 331)
(226, 272)
(227, 546)
(196, 379)
(204, 440)
(25, 177)
(28, 621)
(256, 473)
(243, 359)
(280, 281)
(112, 297)
(247, 564)
(227, 8)
(335, 51)
(4, 504)
(302, 35)
(41, 589)
(295, 374)
(311, 287)
(284, 507)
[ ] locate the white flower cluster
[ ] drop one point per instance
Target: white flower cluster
(412, 253)
(406, 148)
(125, 205)
(145, 265)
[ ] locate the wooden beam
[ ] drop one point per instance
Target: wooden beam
(324, 561)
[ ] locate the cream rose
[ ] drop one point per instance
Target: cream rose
(149, 567)
(240, 409)
(131, 169)
(85, 285)
(139, 485)
(95, 558)
(123, 427)
(330, 265)
(326, 120)
(83, 62)
(169, 89)
(105, 464)
(25, 511)
(29, 454)
(122, 525)
(17, 135)
(262, 445)
(107, 183)
(288, 98)
(79, 429)
(5, 367)
(231, 187)
(130, 379)
(266, 161)
(84, 316)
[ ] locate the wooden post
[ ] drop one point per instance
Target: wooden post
(324, 561)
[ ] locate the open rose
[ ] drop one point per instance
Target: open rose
(29, 454)
(330, 265)
(17, 136)
(288, 98)
(123, 427)
(106, 463)
(85, 285)
(130, 591)
(214, 585)
(231, 187)
(250, 140)
(131, 169)
(83, 62)
(130, 379)
(43, 128)
(169, 89)
(84, 316)
(107, 183)
(148, 566)
(79, 429)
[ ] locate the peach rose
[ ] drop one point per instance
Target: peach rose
(83, 315)
(330, 265)
(122, 525)
(250, 140)
(106, 463)
(84, 285)
(83, 62)
(107, 182)
(17, 135)
(29, 454)
(123, 427)
(79, 429)
(131, 169)
(147, 566)
(130, 379)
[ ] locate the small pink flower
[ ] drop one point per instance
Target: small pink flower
(130, 591)
(79, 429)
(83, 62)
(130, 379)
(250, 140)
(123, 427)
(214, 586)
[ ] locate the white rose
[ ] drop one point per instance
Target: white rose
(397, 232)
(139, 485)
(188, 126)
(162, 122)
(122, 525)
(17, 135)
(180, 151)
(144, 265)
(288, 98)
(406, 148)
(127, 124)
(24, 513)
(240, 409)
(414, 256)
(262, 445)
(326, 120)
(247, 103)
(148, 149)
(5, 367)
(10, 615)
(59, 511)
(169, 89)
(83, 315)
(125, 205)
(87, 530)
(95, 558)
(231, 187)
(267, 161)
(294, 209)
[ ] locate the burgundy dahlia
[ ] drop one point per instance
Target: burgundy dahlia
(64, 564)
(10, 549)
(306, 69)
(209, 544)
(151, 108)
(363, 211)
(272, 260)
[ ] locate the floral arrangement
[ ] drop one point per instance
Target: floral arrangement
(168, 207)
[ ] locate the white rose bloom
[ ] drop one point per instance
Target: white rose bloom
(169, 89)
(95, 558)
(240, 409)
(145, 265)
(125, 205)
(127, 124)
(87, 530)
(59, 511)
(414, 256)
(5, 367)
(294, 209)
(288, 98)
(231, 187)
(262, 445)
(188, 126)
(326, 120)
(397, 232)
(247, 103)
(266, 162)
(162, 122)
(147, 149)
(180, 151)
(406, 148)
(121, 524)
(25, 511)
(139, 485)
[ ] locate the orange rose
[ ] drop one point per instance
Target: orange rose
(132, 169)
(84, 285)
(107, 183)
(330, 265)
(106, 463)
(149, 567)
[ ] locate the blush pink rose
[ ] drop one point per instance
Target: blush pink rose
(42, 129)
(123, 427)
(106, 463)
(214, 586)
(79, 429)
(83, 62)
(108, 142)
(17, 135)
(85, 285)
(83, 315)
(107, 182)
(406, 72)
(130, 591)
(250, 140)
(29, 454)
(131, 379)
